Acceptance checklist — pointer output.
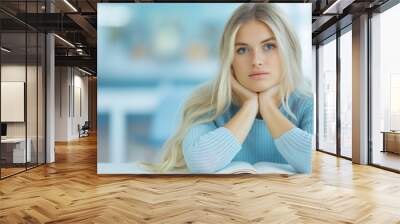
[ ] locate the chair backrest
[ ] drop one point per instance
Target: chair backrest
(86, 125)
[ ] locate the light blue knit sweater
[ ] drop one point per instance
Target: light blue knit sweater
(210, 147)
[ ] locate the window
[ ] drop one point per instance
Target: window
(346, 94)
(327, 97)
(385, 85)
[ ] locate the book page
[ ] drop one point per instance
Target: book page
(136, 167)
(269, 167)
(237, 167)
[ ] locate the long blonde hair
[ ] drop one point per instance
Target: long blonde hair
(212, 99)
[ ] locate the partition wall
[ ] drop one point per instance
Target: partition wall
(22, 76)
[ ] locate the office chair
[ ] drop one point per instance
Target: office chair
(84, 130)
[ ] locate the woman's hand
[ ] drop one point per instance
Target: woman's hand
(244, 95)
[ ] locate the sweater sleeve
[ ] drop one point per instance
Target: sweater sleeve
(295, 145)
(207, 148)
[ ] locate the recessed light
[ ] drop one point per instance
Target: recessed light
(64, 40)
(70, 5)
(84, 71)
(5, 50)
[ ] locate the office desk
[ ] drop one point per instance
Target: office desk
(17, 150)
(391, 141)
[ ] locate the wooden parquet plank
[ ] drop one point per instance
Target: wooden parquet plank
(70, 191)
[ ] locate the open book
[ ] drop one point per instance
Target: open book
(237, 167)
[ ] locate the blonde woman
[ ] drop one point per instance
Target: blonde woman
(258, 107)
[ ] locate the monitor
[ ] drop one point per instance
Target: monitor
(3, 129)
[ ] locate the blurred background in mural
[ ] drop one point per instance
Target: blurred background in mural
(151, 56)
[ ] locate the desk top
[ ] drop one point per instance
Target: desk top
(13, 140)
(391, 132)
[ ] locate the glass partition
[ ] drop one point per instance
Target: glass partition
(22, 90)
(14, 153)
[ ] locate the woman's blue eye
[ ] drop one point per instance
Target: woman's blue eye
(269, 46)
(241, 50)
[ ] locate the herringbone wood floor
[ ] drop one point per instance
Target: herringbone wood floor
(70, 191)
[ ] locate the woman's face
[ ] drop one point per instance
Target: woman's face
(256, 63)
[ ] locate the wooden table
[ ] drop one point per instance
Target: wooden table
(391, 141)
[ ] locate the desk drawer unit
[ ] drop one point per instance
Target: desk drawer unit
(13, 151)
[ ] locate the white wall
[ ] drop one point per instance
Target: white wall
(33, 126)
(70, 84)
(61, 103)
(17, 73)
(11, 73)
(80, 100)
